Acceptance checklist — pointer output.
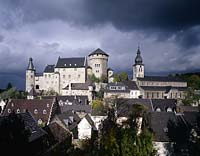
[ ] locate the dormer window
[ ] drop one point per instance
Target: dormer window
(65, 65)
(47, 105)
(35, 111)
(9, 110)
(44, 111)
(18, 110)
(70, 64)
(158, 109)
(75, 64)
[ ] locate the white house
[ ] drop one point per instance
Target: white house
(86, 127)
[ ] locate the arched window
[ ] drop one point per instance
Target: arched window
(18, 110)
(158, 109)
(44, 111)
(9, 110)
(37, 87)
(35, 111)
(169, 109)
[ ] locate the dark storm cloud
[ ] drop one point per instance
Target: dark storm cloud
(161, 17)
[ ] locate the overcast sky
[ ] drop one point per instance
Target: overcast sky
(167, 31)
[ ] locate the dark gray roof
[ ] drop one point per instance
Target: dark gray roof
(38, 74)
(188, 108)
(76, 108)
(77, 62)
(98, 51)
(91, 122)
(66, 115)
(49, 69)
(162, 88)
(32, 92)
(124, 106)
(163, 104)
(191, 117)
(128, 85)
(161, 79)
(30, 124)
(158, 122)
(138, 59)
(83, 100)
(79, 86)
(131, 85)
(30, 64)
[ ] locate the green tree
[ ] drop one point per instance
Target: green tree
(119, 77)
(191, 97)
(93, 78)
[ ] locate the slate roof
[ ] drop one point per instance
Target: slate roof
(49, 69)
(76, 108)
(162, 88)
(90, 121)
(158, 122)
(163, 104)
(98, 51)
(39, 108)
(161, 79)
(76, 62)
(30, 64)
(188, 108)
(77, 99)
(138, 59)
(129, 85)
(79, 86)
(66, 116)
(38, 74)
(32, 92)
(124, 106)
(31, 124)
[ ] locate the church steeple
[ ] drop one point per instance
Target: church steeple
(138, 67)
(30, 64)
(138, 59)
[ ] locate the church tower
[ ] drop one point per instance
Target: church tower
(30, 75)
(138, 67)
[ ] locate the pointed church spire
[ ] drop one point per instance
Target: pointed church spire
(30, 64)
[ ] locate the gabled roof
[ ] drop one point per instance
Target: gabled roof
(49, 69)
(163, 88)
(91, 122)
(39, 108)
(76, 62)
(98, 51)
(131, 85)
(163, 104)
(73, 99)
(32, 92)
(161, 79)
(158, 122)
(31, 124)
(125, 106)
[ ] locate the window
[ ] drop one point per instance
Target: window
(9, 110)
(69, 76)
(79, 75)
(37, 87)
(18, 110)
(158, 110)
(47, 105)
(44, 111)
(63, 76)
(35, 111)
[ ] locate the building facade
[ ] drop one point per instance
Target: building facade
(157, 87)
(66, 72)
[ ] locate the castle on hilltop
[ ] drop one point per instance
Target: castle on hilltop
(71, 76)
(68, 72)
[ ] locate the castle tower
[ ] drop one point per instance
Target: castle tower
(98, 61)
(30, 75)
(138, 67)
